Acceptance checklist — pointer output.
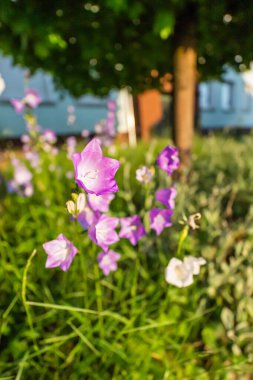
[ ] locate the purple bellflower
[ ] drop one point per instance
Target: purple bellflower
(100, 202)
(107, 261)
(160, 219)
(21, 182)
(88, 217)
(132, 229)
(93, 172)
(103, 233)
(60, 253)
(167, 197)
(168, 159)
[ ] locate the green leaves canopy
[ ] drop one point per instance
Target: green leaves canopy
(94, 46)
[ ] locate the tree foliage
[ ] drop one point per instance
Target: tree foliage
(94, 46)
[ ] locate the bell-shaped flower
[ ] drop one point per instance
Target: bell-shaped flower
(93, 172)
(60, 253)
(49, 136)
(107, 261)
(103, 233)
(178, 273)
(100, 202)
(88, 217)
(18, 105)
(132, 229)
(32, 98)
(168, 159)
(144, 175)
(194, 263)
(167, 197)
(22, 175)
(160, 219)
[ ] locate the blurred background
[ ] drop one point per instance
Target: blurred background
(139, 75)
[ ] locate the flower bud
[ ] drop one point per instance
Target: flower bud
(80, 202)
(193, 219)
(70, 207)
(74, 196)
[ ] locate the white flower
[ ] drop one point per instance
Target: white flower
(194, 263)
(144, 174)
(178, 273)
(80, 202)
(71, 207)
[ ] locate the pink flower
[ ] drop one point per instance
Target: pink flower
(50, 136)
(160, 219)
(22, 175)
(107, 261)
(132, 229)
(61, 253)
(88, 217)
(71, 142)
(18, 105)
(28, 190)
(32, 98)
(25, 139)
(100, 202)
(93, 172)
(85, 133)
(71, 146)
(103, 233)
(111, 105)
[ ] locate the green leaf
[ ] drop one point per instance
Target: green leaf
(164, 24)
(227, 318)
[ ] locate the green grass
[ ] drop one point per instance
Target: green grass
(132, 324)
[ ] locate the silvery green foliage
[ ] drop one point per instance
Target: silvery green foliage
(230, 285)
(224, 197)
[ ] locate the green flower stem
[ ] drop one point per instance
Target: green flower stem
(99, 295)
(85, 279)
(23, 295)
(135, 285)
(182, 237)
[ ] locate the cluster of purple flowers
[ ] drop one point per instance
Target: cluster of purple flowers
(22, 180)
(105, 129)
(95, 175)
(30, 100)
(36, 140)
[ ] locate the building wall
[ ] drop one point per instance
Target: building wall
(227, 103)
(52, 113)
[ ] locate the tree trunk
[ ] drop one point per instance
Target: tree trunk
(184, 67)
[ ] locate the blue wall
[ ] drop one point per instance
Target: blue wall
(52, 112)
(226, 103)
(223, 103)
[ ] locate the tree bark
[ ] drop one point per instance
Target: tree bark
(184, 67)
